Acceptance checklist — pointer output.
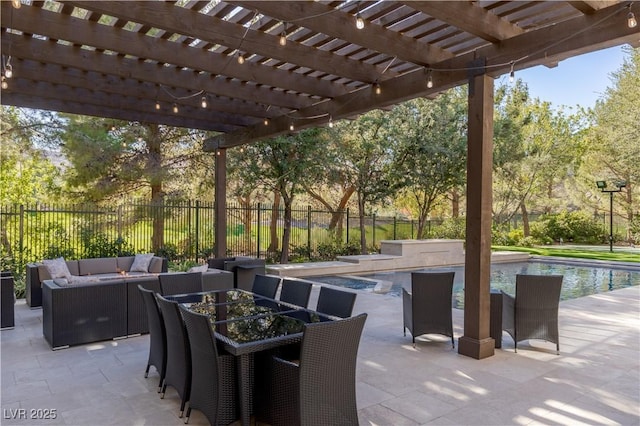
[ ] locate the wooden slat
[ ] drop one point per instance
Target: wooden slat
(87, 60)
(470, 18)
(174, 18)
(62, 27)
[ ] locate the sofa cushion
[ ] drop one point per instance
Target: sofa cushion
(199, 268)
(103, 265)
(141, 262)
(57, 268)
(125, 262)
(156, 265)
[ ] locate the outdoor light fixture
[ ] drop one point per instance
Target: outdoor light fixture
(378, 89)
(203, 102)
(8, 69)
(175, 108)
(158, 105)
(359, 20)
(331, 122)
(602, 186)
(291, 127)
(631, 20)
(429, 79)
(240, 58)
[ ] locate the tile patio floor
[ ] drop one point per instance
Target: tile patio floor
(595, 380)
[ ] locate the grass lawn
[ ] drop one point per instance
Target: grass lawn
(583, 252)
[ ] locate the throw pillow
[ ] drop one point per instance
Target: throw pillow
(57, 268)
(141, 262)
(199, 268)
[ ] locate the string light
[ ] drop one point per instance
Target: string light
(283, 36)
(377, 88)
(266, 121)
(8, 69)
(175, 108)
(331, 122)
(5, 85)
(429, 79)
(240, 58)
(157, 105)
(16, 3)
(203, 102)
(291, 127)
(512, 74)
(359, 20)
(631, 20)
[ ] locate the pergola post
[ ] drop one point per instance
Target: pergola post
(220, 205)
(476, 341)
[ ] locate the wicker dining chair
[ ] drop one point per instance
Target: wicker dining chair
(533, 312)
(178, 371)
(336, 302)
(427, 309)
(266, 285)
(318, 388)
(157, 335)
(213, 378)
(296, 292)
(180, 283)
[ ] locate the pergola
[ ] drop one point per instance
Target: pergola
(250, 70)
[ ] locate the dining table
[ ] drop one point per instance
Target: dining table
(245, 324)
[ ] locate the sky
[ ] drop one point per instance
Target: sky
(580, 80)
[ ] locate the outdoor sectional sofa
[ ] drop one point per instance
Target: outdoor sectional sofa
(106, 305)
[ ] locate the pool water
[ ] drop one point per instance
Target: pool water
(579, 280)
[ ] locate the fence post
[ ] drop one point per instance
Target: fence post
(21, 241)
(309, 231)
(412, 229)
(120, 222)
(259, 231)
(395, 224)
(373, 229)
(197, 233)
(347, 225)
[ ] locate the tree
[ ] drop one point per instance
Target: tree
(114, 159)
(282, 165)
(430, 156)
(614, 143)
(366, 161)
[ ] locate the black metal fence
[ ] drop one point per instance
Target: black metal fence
(179, 230)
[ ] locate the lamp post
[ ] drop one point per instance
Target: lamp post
(602, 186)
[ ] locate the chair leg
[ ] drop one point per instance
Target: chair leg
(182, 405)
(160, 385)
(164, 389)
(453, 345)
(186, 417)
(146, 372)
(557, 348)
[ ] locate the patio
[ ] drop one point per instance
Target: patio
(593, 381)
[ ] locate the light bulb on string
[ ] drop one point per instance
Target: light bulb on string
(175, 108)
(266, 121)
(240, 58)
(631, 20)
(359, 21)
(429, 79)
(157, 105)
(8, 68)
(377, 88)
(283, 36)
(203, 102)
(16, 3)
(331, 122)
(512, 74)
(4, 85)
(291, 127)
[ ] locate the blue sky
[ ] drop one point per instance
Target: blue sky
(576, 81)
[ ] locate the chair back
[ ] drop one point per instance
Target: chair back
(213, 381)
(328, 371)
(266, 285)
(157, 333)
(429, 307)
(296, 292)
(180, 283)
(336, 302)
(536, 306)
(178, 372)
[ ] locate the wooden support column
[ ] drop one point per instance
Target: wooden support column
(220, 209)
(476, 341)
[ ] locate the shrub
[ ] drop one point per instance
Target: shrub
(634, 230)
(577, 227)
(451, 228)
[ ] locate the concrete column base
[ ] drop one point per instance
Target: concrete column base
(478, 349)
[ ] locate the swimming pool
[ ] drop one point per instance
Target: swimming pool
(579, 279)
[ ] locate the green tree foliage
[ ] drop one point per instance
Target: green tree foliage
(430, 151)
(614, 142)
